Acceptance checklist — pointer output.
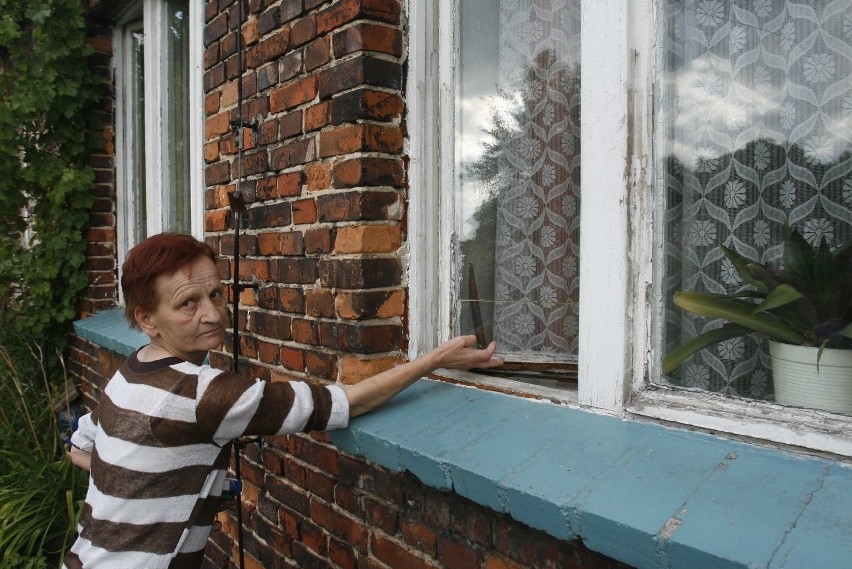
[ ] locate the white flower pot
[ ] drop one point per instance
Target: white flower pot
(798, 383)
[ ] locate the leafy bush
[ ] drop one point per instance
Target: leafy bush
(47, 122)
(41, 492)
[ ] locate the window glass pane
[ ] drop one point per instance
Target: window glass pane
(754, 129)
(518, 175)
(135, 135)
(177, 116)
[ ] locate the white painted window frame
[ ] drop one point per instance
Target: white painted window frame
(619, 306)
(157, 89)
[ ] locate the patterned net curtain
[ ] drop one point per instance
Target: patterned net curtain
(756, 129)
(537, 254)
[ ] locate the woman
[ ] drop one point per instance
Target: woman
(157, 445)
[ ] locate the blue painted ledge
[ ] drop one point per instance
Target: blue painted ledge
(647, 495)
(110, 330)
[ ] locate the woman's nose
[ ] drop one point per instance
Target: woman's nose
(210, 312)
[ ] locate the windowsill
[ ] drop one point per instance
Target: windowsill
(645, 494)
(110, 330)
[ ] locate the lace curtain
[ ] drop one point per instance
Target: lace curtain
(755, 129)
(536, 253)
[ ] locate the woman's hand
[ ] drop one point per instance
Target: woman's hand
(461, 353)
(458, 353)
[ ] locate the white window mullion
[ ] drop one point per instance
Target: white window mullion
(604, 352)
(156, 92)
(196, 122)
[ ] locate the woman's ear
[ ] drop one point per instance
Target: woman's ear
(145, 321)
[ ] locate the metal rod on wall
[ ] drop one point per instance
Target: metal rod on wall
(238, 206)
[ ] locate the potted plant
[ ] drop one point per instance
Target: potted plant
(804, 309)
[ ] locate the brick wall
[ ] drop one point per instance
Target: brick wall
(325, 192)
(102, 291)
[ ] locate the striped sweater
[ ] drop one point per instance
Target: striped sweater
(160, 443)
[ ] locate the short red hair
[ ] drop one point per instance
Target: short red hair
(158, 255)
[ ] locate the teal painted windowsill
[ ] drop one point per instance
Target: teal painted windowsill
(650, 496)
(110, 330)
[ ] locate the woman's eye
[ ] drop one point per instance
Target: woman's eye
(188, 304)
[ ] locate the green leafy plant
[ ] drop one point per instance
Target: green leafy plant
(48, 114)
(41, 492)
(807, 303)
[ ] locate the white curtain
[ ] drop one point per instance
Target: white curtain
(756, 127)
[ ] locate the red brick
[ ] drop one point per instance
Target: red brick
(341, 524)
(370, 304)
(360, 273)
(365, 104)
(368, 239)
(294, 270)
(361, 137)
(211, 103)
(419, 536)
(290, 125)
(317, 116)
(356, 206)
(292, 358)
(495, 561)
(304, 211)
(318, 176)
(303, 31)
(368, 172)
(294, 94)
(291, 299)
(355, 368)
(347, 11)
(319, 303)
(289, 184)
(288, 243)
(293, 154)
(319, 240)
(456, 555)
(271, 48)
(369, 37)
(395, 554)
(216, 220)
(304, 331)
(359, 71)
(321, 364)
(217, 125)
(268, 352)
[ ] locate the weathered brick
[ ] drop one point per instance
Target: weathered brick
(319, 240)
(317, 53)
(267, 76)
(317, 116)
(293, 94)
(340, 524)
(269, 20)
(368, 172)
(303, 30)
(319, 303)
(362, 70)
(361, 137)
(304, 211)
(251, 32)
(346, 11)
(257, 268)
(354, 368)
(211, 103)
(294, 270)
(304, 331)
(271, 325)
(455, 555)
(290, 65)
(367, 37)
(365, 104)
(270, 48)
(321, 364)
(293, 154)
(292, 358)
(290, 125)
(287, 243)
(268, 352)
(217, 125)
(360, 273)
(370, 304)
(360, 338)
(355, 206)
(394, 554)
(273, 215)
(419, 536)
(290, 184)
(218, 173)
(253, 163)
(318, 176)
(368, 239)
(215, 29)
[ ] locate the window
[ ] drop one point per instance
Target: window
(158, 122)
(652, 107)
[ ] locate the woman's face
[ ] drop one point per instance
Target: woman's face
(192, 313)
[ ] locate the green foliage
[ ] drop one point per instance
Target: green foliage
(41, 492)
(47, 101)
(808, 303)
